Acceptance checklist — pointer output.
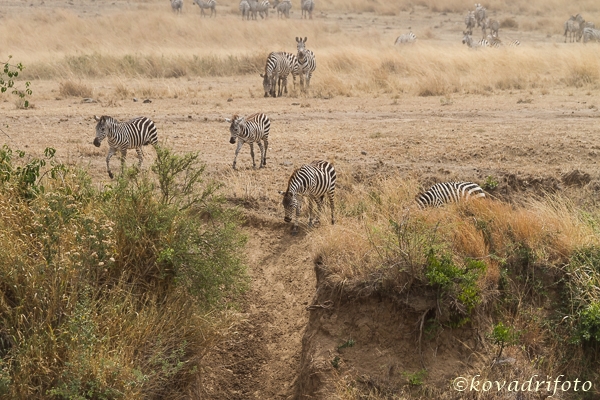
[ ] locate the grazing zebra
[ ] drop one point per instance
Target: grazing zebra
(493, 26)
(277, 69)
(122, 136)
(283, 8)
(206, 4)
(177, 6)
(480, 14)
(245, 9)
(449, 192)
(307, 8)
(314, 180)
(572, 29)
(406, 38)
(514, 43)
(470, 21)
(591, 34)
(474, 44)
(253, 128)
(306, 61)
(494, 41)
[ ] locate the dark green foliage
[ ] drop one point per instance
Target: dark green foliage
(7, 81)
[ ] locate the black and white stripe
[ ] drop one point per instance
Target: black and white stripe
(245, 9)
(449, 192)
(250, 129)
(307, 7)
(177, 6)
(277, 68)
(206, 5)
(315, 181)
(470, 21)
(123, 136)
(480, 14)
(306, 61)
(406, 38)
(591, 34)
(572, 29)
(491, 24)
(474, 44)
(283, 8)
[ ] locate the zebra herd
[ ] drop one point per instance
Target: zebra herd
(251, 9)
(478, 18)
(280, 64)
(313, 181)
(576, 29)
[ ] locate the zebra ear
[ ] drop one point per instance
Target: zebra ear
(297, 39)
(96, 118)
(227, 120)
(281, 192)
(305, 39)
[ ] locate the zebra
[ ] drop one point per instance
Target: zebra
(591, 34)
(122, 136)
(494, 41)
(245, 9)
(261, 8)
(306, 61)
(470, 21)
(406, 38)
(250, 129)
(468, 40)
(307, 7)
(314, 180)
(283, 8)
(206, 4)
(177, 6)
(277, 69)
(480, 14)
(572, 28)
(514, 43)
(449, 192)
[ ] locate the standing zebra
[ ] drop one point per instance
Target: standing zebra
(253, 128)
(591, 34)
(571, 29)
(480, 14)
(245, 9)
(283, 8)
(406, 38)
(307, 7)
(306, 61)
(468, 40)
(493, 25)
(314, 180)
(449, 192)
(470, 21)
(122, 136)
(206, 4)
(277, 69)
(177, 6)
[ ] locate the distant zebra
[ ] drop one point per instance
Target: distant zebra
(491, 24)
(261, 8)
(206, 4)
(514, 43)
(283, 8)
(314, 180)
(572, 29)
(591, 34)
(307, 7)
(474, 44)
(253, 128)
(245, 9)
(277, 69)
(406, 38)
(480, 14)
(177, 6)
(123, 136)
(470, 21)
(494, 41)
(306, 61)
(449, 192)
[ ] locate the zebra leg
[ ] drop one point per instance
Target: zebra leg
(319, 202)
(252, 154)
(140, 156)
(331, 196)
(310, 211)
(263, 154)
(237, 150)
(111, 152)
(266, 148)
(123, 157)
(308, 76)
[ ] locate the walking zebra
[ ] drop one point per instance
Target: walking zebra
(283, 8)
(306, 61)
(449, 192)
(474, 44)
(177, 6)
(123, 136)
(206, 4)
(470, 21)
(277, 69)
(245, 9)
(591, 34)
(480, 14)
(406, 38)
(314, 180)
(307, 8)
(253, 128)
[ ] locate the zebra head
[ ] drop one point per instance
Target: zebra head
(301, 46)
(102, 128)
(290, 204)
(268, 84)
(237, 124)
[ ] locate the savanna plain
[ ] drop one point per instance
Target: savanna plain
(181, 280)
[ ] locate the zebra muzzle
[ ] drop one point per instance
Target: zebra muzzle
(96, 142)
(232, 140)
(287, 219)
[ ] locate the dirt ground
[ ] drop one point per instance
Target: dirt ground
(524, 139)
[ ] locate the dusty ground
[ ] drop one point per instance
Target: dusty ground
(521, 138)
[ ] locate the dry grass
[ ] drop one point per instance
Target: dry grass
(75, 89)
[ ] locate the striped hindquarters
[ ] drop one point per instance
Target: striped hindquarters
(135, 133)
(406, 38)
(591, 34)
(294, 63)
(314, 179)
(449, 192)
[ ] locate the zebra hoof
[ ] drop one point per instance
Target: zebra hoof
(294, 233)
(110, 175)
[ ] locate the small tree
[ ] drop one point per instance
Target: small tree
(7, 75)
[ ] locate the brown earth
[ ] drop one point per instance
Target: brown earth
(530, 141)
